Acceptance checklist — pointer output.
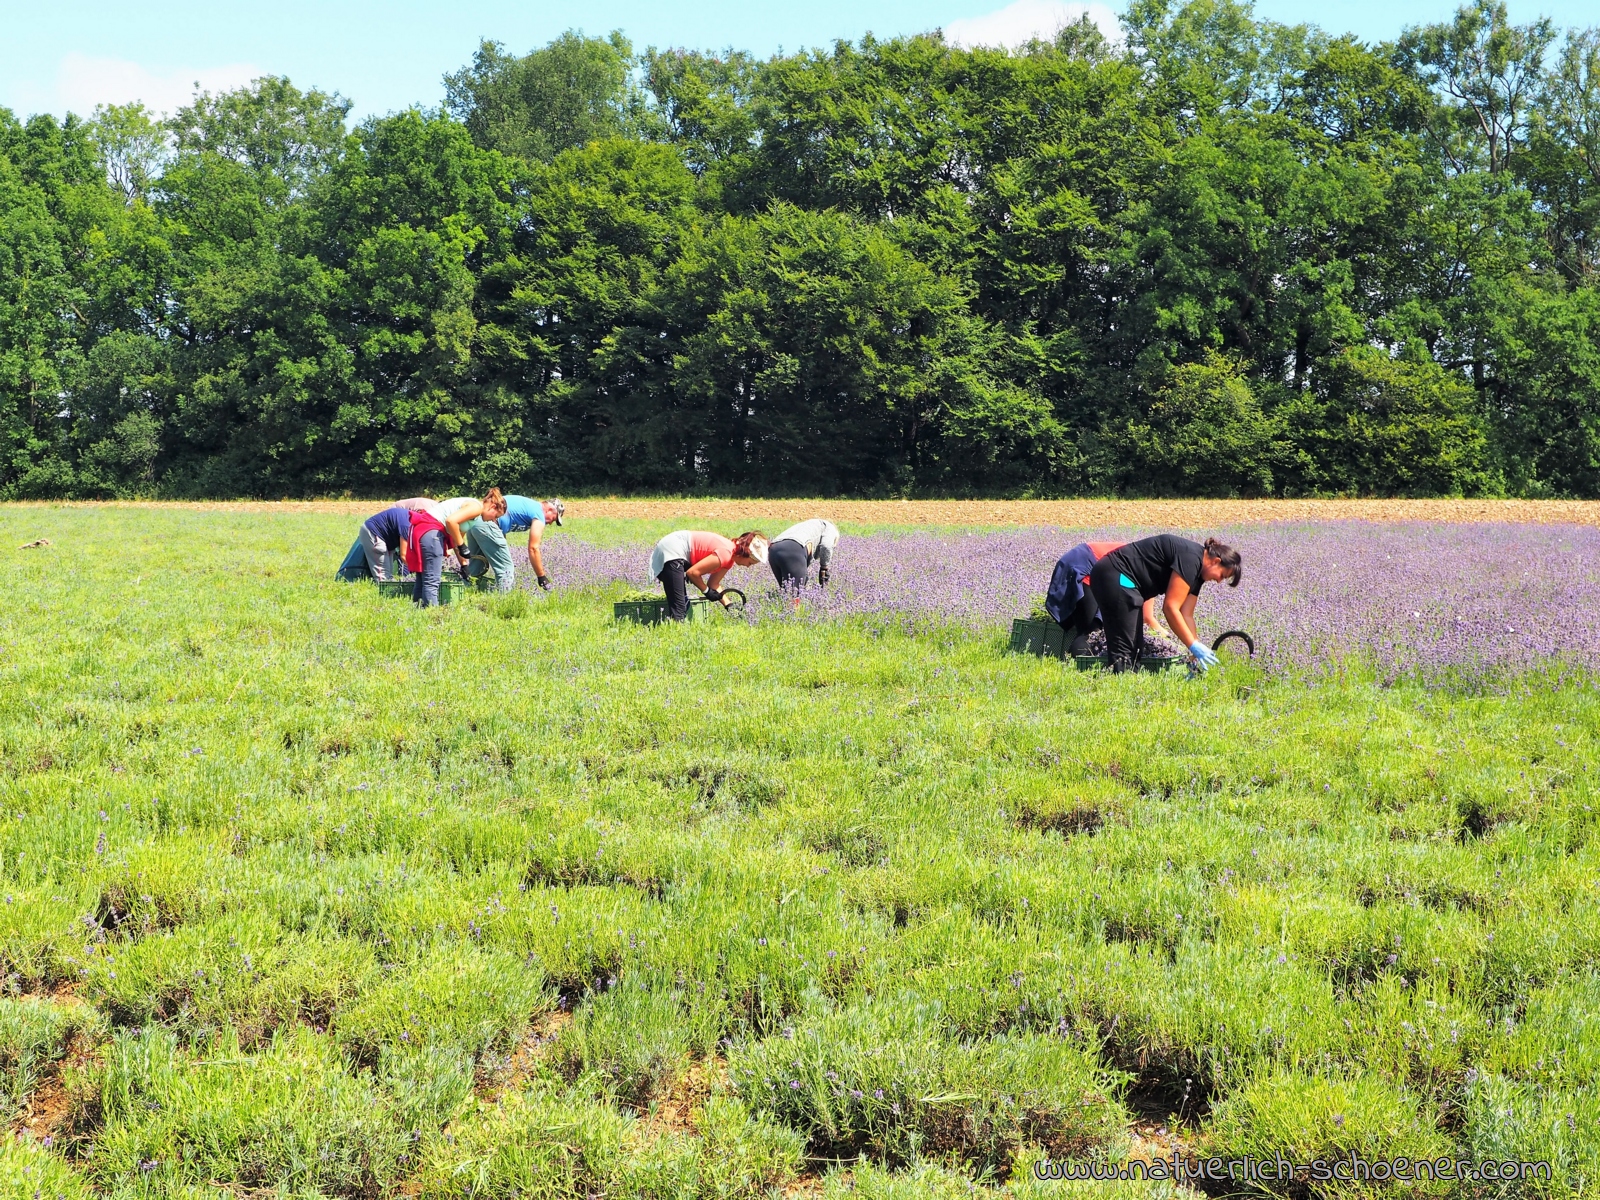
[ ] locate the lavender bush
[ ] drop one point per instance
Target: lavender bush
(1423, 598)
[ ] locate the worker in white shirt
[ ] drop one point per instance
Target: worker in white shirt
(791, 553)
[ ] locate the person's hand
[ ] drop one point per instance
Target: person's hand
(712, 594)
(1202, 656)
(544, 582)
(822, 576)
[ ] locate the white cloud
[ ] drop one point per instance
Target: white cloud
(83, 82)
(1021, 20)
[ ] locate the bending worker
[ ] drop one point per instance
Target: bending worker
(380, 547)
(1163, 565)
(470, 529)
(425, 556)
(383, 541)
(533, 515)
(482, 548)
(791, 553)
(1071, 602)
(702, 559)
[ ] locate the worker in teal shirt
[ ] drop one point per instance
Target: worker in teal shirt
(533, 515)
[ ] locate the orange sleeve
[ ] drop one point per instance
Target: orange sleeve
(702, 544)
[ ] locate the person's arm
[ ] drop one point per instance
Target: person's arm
(1150, 612)
(824, 555)
(535, 558)
(457, 519)
(700, 573)
(1179, 608)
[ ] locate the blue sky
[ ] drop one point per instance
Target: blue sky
(72, 54)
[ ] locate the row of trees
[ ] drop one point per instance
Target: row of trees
(1221, 256)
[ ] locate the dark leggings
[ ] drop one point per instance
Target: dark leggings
(1120, 609)
(672, 579)
(425, 585)
(1081, 621)
(788, 562)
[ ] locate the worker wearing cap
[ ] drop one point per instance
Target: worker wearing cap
(533, 515)
(794, 550)
(702, 559)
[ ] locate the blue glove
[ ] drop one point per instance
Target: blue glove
(1203, 658)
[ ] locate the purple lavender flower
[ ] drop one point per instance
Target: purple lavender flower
(1423, 599)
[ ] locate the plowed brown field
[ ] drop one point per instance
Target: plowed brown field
(1183, 514)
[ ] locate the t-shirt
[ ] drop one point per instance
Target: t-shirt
(449, 508)
(703, 545)
(421, 504)
(391, 527)
(1151, 562)
(691, 545)
(817, 532)
(521, 514)
(1100, 550)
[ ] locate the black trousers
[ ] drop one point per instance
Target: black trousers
(788, 562)
(1120, 610)
(672, 580)
(1081, 621)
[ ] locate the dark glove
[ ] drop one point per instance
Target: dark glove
(544, 582)
(713, 594)
(822, 576)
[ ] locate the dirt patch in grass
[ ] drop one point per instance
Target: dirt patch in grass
(1176, 514)
(525, 1058)
(674, 1112)
(1069, 821)
(1150, 1140)
(51, 1106)
(49, 1110)
(803, 1187)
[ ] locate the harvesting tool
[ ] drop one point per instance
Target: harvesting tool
(731, 600)
(1234, 646)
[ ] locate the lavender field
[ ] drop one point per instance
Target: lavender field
(1416, 598)
(308, 892)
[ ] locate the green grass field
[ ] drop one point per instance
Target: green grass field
(310, 893)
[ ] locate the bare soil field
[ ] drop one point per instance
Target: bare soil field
(1186, 514)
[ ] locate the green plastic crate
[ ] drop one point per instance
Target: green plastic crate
(403, 587)
(1043, 638)
(654, 611)
(1048, 640)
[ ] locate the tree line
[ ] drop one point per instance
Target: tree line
(1218, 256)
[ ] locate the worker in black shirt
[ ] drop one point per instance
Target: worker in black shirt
(1166, 564)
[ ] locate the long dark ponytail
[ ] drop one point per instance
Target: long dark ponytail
(1229, 558)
